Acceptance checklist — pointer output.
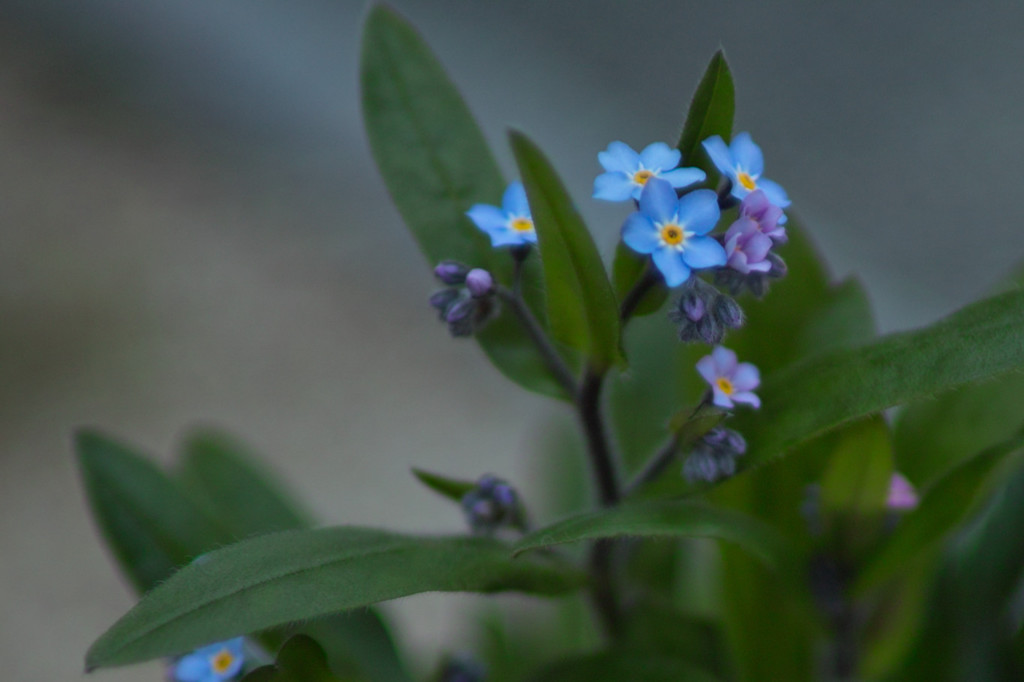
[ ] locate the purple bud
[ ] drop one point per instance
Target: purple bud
(727, 312)
(459, 317)
(902, 496)
(442, 299)
(479, 282)
(693, 307)
(451, 272)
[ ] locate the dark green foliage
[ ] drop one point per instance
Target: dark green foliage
(711, 112)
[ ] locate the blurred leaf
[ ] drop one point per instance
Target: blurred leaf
(581, 306)
(452, 488)
(942, 507)
(842, 319)
(436, 164)
(856, 479)
(292, 575)
(619, 666)
(301, 659)
(655, 628)
(149, 523)
(664, 518)
(711, 112)
(627, 269)
(979, 341)
(232, 485)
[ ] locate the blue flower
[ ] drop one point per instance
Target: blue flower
(743, 163)
(628, 172)
(673, 230)
(213, 663)
(510, 225)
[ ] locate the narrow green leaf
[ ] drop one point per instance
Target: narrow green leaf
(943, 506)
(628, 268)
(437, 164)
(977, 342)
(282, 577)
(227, 479)
(711, 112)
(452, 488)
(856, 480)
(581, 305)
(150, 525)
(617, 666)
(664, 518)
(301, 659)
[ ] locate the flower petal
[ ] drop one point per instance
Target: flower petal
(746, 154)
(659, 156)
(707, 369)
(683, 177)
(671, 264)
(639, 233)
(747, 377)
(775, 194)
(746, 397)
(757, 246)
(719, 154)
(703, 252)
(720, 398)
(192, 668)
(619, 157)
(487, 217)
(698, 211)
(503, 236)
(514, 201)
(658, 201)
(725, 361)
(613, 186)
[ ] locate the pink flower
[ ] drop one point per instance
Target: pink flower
(902, 496)
(731, 382)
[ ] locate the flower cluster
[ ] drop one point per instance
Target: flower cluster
(214, 663)
(714, 456)
(468, 302)
(491, 505)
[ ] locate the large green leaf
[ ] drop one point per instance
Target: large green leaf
(857, 477)
(711, 112)
(437, 164)
(943, 505)
(221, 473)
(151, 526)
(230, 483)
(665, 518)
(293, 575)
(618, 666)
(581, 305)
(975, 343)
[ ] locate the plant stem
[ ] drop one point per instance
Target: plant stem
(588, 404)
(655, 466)
(551, 358)
(633, 297)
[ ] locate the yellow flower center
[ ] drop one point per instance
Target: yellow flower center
(724, 385)
(745, 179)
(221, 662)
(521, 224)
(642, 176)
(672, 234)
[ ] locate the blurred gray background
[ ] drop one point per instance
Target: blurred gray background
(193, 231)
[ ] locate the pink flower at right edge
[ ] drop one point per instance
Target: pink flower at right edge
(902, 496)
(731, 381)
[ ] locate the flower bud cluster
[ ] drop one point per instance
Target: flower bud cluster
(714, 456)
(491, 505)
(468, 302)
(704, 314)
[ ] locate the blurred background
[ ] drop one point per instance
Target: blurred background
(193, 232)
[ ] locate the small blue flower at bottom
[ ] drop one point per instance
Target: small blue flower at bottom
(672, 230)
(510, 225)
(626, 172)
(213, 663)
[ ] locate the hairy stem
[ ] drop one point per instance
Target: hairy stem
(551, 358)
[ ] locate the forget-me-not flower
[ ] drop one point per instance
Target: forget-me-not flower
(626, 172)
(731, 382)
(510, 225)
(765, 215)
(213, 663)
(673, 230)
(747, 247)
(742, 162)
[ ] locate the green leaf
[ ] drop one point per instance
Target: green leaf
(227, 479)
(942, 507)
(617, 666)
(149, 523)
(452, 488)
(437, 164)
(301, 659)
(811, 397)
(628, 268)
(581, 305)
(293, 575)
(843, 319)
(857, 477)
(711, 112)
(664, 518)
